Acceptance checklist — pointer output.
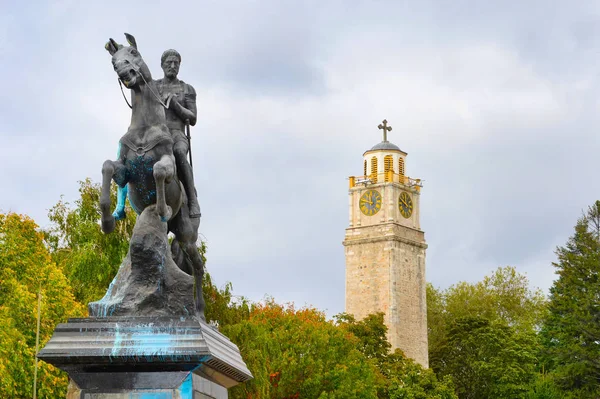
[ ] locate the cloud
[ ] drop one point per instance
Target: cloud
(495, 104)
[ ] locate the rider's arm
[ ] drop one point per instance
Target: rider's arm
(188, 110)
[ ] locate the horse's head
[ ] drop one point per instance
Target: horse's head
(128, 62)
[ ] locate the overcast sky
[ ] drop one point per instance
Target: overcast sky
(496, 104)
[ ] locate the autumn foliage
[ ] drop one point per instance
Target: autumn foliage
(298, 353)
(495, 338)
(26, 268)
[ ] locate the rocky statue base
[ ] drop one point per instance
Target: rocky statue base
(148, 282)
(145, 357)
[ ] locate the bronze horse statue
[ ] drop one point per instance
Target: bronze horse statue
(146, 164)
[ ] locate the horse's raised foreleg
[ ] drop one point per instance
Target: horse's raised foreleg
(110, 169)
(108, 220)
(164, 170)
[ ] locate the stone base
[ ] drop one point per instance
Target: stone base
(193, 386)
(149, 283)
(145, 358)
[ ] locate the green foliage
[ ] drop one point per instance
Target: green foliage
(488, 359)
(571, 331)
(397, 376)
(408, 380)
(297, 353)
(501, 308)
(503, 296)
(544, 388)
(88, 257)
(437, 322)
(26, 268)
(371, 332)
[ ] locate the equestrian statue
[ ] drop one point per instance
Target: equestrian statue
(152, 171)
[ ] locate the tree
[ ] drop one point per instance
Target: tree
(408, 380)
(504, 297)
(506, 308)
(437, 321)
(297, 353)
(571, 331)
(26, 267)
(88, 257)
(397, 377)
(371, 333)
(488, 359)
(544, 388)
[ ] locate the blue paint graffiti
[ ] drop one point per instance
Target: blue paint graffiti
(186, 389)
(119, 212)
(117, 343)
(151, 395)
(105, 309)
(141, 174)
(147, 343)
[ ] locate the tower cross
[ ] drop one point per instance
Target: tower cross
(383, 125)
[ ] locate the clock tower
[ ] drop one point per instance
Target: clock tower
(385, 248)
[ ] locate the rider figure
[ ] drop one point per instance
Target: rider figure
(181, 98)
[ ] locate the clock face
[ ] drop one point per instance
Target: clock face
(405, 204)
(370, 202)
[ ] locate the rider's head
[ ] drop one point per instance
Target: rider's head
(169, 62)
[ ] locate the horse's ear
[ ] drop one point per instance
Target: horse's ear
(131, 40)
(110, 47)
(115, 44)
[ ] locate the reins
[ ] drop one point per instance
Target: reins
(123, 92)
(166, 106)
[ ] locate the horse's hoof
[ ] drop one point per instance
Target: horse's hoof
(108, 224)
(119, 214)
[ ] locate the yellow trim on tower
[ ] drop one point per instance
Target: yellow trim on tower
(374, 169)
(388, 166)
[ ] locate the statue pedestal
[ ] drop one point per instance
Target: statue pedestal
(145, 357)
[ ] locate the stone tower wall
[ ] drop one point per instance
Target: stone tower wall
(385, 272)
